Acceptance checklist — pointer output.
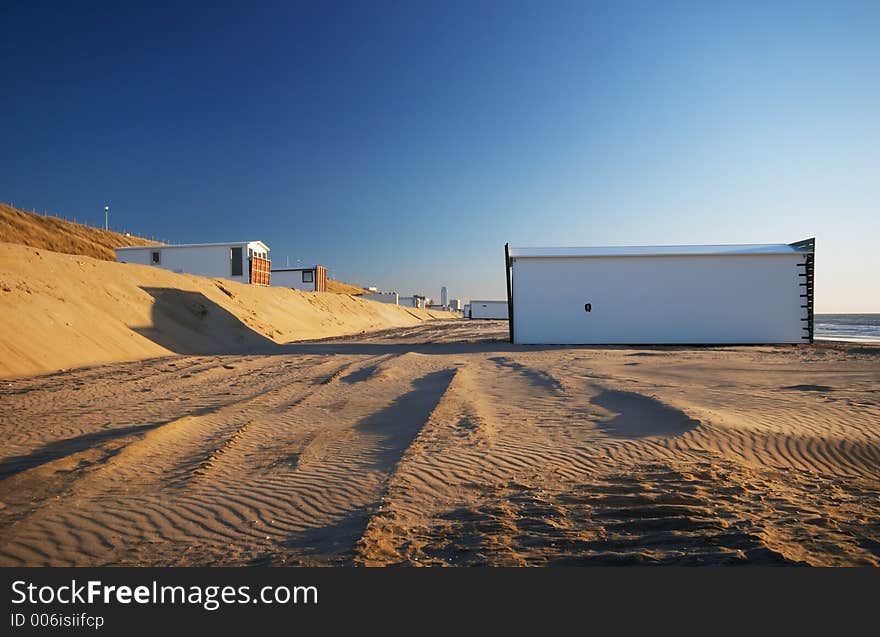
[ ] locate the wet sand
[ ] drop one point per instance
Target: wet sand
(442, 444)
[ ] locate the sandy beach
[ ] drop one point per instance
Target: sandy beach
(442, 444)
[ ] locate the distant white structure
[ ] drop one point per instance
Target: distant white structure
(488, 310)
(382, 297)
(443, 296)
(455, 304)
(662, 294)
(313, 279)
(242, 261)
(416, 300)
(373, 288)
(409, 301)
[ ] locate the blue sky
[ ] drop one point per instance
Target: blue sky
(401, 144)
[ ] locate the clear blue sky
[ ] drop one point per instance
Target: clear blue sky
(402, 144)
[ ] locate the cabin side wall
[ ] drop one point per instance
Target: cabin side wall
(211, 261)
(294, 279)
(656, 300)
(140, 256)
(488, 310)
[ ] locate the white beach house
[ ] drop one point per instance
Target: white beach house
(661, 294)
(488, 310)
(242, 261)
(313, 279)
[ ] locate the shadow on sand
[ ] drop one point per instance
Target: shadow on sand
(66, 447)
(190, 323)
(640, 416)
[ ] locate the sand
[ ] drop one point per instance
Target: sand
(438, 443)
(46, 232)
(59, 235)
(60, 311)
(341, 287)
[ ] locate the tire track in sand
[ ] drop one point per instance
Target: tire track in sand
(153, 463)
(145, 506)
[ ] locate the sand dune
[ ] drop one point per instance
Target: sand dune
(340, 287)
(61, 311)
(59, 235)
(438, 443)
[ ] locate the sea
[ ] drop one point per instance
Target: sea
(860, 328)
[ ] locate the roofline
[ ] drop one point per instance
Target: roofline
(689, 250)
(195, 245)
(313, 267)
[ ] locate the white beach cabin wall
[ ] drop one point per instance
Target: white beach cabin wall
(686, 295)
(488, 310)
(208, 259)
(294, 279)
(313, 279)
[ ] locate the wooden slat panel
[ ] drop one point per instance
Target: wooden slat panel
(260, 270)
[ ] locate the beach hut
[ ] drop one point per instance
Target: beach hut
(313, 279)
(242, 261)
(415, 300)
(723, 294)
(488, 310)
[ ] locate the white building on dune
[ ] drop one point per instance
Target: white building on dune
(312, 279)
(242, 261)
(416, 300)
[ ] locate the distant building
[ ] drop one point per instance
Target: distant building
(313, 279)
(443, 296)
(415, 300)
(242, 261)
(488, 310)
(382, 297)
(455, 304)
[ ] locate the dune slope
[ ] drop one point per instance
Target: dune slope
(59, 311)
(59, 235)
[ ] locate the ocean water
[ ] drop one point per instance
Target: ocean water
(864, 328)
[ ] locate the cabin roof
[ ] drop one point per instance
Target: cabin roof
(651, 251)
(166, 246)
